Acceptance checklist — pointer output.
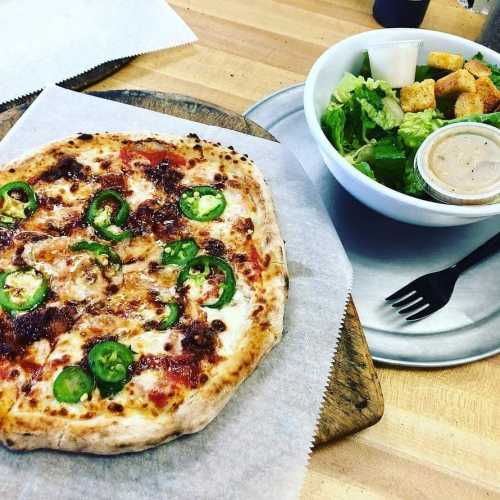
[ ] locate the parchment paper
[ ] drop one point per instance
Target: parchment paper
(43, 42)
(258, 446)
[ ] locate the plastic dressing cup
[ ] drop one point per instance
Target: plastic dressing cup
(394, 62)
(459, 164)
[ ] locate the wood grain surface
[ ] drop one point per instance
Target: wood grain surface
(353, 398)
(440, 434)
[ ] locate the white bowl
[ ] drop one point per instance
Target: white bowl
(325, 74)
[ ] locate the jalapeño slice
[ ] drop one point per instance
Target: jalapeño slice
(199, 269)
(22, 289)
(107, 389)
(72, 384)
(179, 252)
(110, 361)
(18, 201)
(202, 203)
(107, 214)
(103, 254)
(171, 316)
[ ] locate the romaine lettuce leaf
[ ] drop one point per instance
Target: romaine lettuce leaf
(343, 91)
(362, 154)
(412, 184)
(423, 72)
(365, 70)
(358, 125)
(388, 117)
(365, 168)
(349, 83)
(333, 123)
(383, 86)
(376, 97)
(388, 163)
(488, 118)
(417, 126)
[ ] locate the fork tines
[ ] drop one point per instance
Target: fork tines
(408, 296)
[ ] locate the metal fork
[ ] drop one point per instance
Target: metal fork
(431, 292)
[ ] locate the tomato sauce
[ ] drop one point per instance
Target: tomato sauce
(154, 157)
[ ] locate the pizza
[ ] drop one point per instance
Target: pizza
(142, 279)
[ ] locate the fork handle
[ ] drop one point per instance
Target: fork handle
(487, 249)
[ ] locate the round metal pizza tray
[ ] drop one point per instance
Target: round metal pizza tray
(387, 254)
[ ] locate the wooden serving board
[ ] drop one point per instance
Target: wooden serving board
(353, 399)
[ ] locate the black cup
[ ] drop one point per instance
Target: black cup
(400, 13)
(490, 35)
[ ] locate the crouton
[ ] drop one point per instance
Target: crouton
(490, 95)
(445, 60)
(468, 104)
(455, 83)
(477, 68)
(418, 96)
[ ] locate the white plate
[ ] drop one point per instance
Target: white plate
(387, 254)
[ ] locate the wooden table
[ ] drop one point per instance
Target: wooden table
(440, 435)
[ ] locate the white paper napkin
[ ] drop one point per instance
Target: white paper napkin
(49, 41)
(258, 447)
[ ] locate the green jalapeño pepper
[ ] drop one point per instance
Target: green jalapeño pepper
(72, 385)
(179, 252)
(18, 201)
(22, 290)
(172, 316)
(202, 203)
(107, 214)
(201, 268)
(103, 254)
(106, 389)
(110, 361)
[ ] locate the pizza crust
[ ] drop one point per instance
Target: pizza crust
(109, 434)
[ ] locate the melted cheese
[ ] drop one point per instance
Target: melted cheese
(236, 205)
(236, 208)
(236, 317)
(203, 173)
(146, 313)
(140, 250)
(73, 276)
(69, 348)
(151, 341)
(200, 289)
(167, 294)
(142, 190)
(58, 217)
(89, 158)
(59, 187)
(146, 381)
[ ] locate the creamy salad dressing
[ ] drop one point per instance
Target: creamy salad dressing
(461, 164)
(467, 162)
